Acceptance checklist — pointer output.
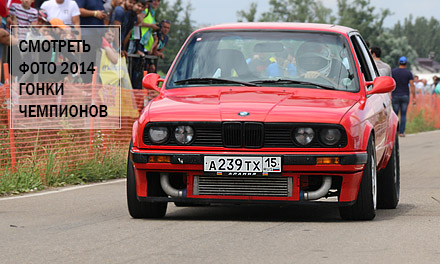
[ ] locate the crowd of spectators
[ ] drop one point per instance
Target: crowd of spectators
(143, 38)
(422, 87)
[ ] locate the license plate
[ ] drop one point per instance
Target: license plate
(242, 164)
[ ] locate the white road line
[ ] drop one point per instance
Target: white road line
(66, 189)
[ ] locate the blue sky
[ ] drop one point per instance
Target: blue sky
(210, 12)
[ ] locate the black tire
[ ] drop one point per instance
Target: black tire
(365, 206)
(388, 188)
(136, 208)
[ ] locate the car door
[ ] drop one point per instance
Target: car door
(377, 105)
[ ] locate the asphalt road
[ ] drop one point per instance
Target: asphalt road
(91, 224)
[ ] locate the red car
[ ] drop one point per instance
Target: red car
(279, 113)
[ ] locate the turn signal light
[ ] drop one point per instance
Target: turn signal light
(159, 159)
(327, 160)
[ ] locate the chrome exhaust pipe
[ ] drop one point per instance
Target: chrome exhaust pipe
(167, 188)
(321, 192)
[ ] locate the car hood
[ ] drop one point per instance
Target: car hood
(263, 105)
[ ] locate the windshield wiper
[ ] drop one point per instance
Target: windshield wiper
(212, 81)
(288, 81)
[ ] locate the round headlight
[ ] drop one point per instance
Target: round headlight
(330, 136)
(303, 135)
(158, 134)
(184, 134)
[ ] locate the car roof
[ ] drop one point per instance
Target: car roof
(281, 26)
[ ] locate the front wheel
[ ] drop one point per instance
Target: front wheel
(365, 205)
(388, 189)
(136, 208)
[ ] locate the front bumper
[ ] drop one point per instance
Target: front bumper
(295, 165)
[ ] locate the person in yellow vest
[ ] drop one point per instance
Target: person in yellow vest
(148, 26)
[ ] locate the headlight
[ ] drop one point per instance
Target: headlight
(330, 136)
(158, 134)
(303, 135)
(184, 134)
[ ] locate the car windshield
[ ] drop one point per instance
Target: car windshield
(265, 58)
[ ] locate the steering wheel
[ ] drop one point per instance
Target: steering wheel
(316, 75)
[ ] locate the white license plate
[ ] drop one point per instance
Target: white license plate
(242, 164)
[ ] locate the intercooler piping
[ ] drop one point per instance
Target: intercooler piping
(321, 192)
(168, 189)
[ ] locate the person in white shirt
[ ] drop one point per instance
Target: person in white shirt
(66, 10)
(426, 87)
(418, 84)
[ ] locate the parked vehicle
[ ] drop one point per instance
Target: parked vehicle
(280, 113)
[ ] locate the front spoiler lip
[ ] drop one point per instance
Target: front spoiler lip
(208, 201)
(287, 159)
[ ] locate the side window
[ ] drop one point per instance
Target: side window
(364, 58)
(368, 57)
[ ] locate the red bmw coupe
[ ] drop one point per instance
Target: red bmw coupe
(279, 113)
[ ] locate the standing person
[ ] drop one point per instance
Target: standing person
(66, 10)
(36, 34)
(161, 38)
(435, 80)
(129, 26)
(120, 12)
(92, 12)
(160, 42)
(437, 89)
(92, 15)
(23, 15)
(118, 16)
(426, 87)
(418, 84)
(107, 46)
(384, 68)
(131, 36)
(401, 95)
(148, 25)
(109, 8)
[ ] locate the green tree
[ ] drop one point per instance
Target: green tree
(423, 35)
(310, 11)
(361, 15)
(248, 16)
(358, 14)
(393, 47)
(412, 38)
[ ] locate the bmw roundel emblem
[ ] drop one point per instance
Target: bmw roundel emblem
(243, 114)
